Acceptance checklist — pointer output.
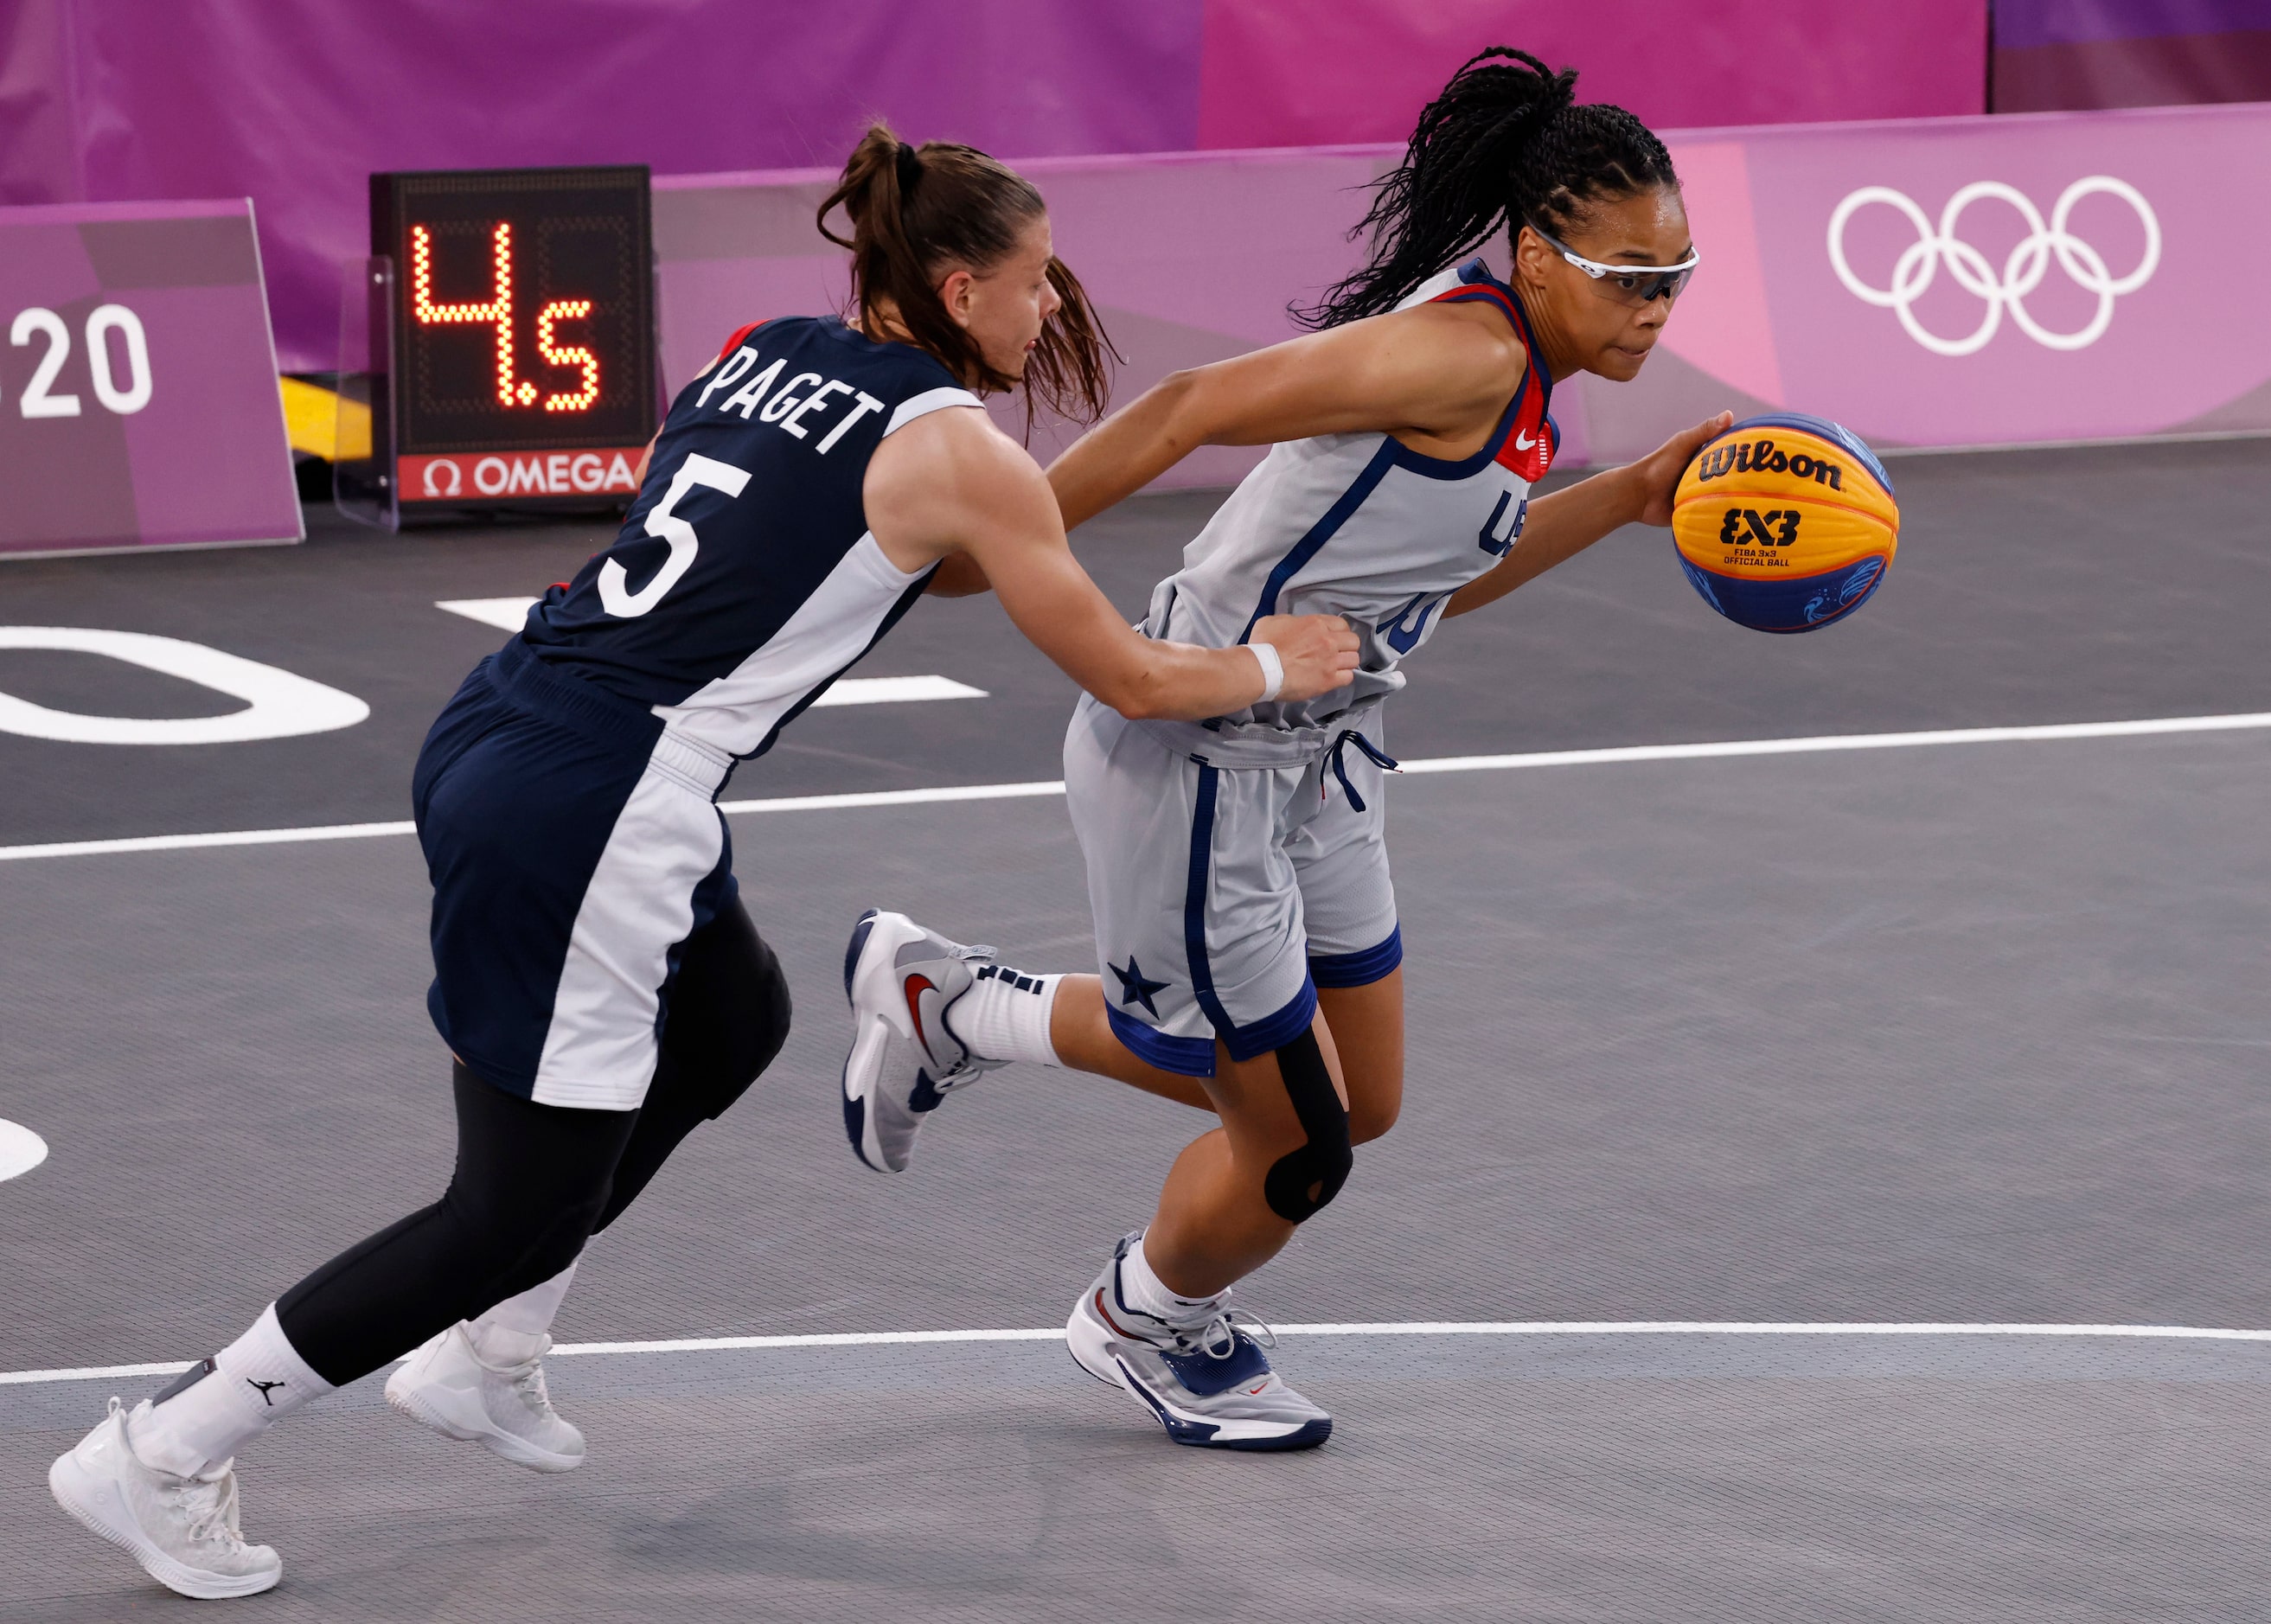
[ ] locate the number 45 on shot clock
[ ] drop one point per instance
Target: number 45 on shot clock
(510, 341)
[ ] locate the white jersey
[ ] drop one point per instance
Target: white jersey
(1361, 525)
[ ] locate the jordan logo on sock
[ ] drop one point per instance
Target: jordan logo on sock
(264, 1388)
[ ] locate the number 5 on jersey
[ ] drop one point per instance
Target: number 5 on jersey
(664, 523)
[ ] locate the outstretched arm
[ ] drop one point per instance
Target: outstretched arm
(951, 486)
(1430, 375)
(1563, 524)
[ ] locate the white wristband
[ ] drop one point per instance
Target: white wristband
(1273, 670)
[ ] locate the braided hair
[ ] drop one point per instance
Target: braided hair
(1507, 140)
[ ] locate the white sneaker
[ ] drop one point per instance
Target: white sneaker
(905, 1059)
(1207, 1381)
(183, 1530)
(448, 1386)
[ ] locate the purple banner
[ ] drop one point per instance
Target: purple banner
(1288, 74)
(298, 105)
(1966, 281)
(2054, 54)
(1969, 281)
(138, 405)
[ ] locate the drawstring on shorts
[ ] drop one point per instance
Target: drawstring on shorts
(1379, 758)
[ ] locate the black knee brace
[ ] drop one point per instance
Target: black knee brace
(1303, 1180)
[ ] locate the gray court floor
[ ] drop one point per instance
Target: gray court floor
(1966, 1033)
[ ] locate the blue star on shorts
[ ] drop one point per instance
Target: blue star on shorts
(1133, 989)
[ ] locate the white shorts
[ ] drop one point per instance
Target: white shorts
(1225, 896)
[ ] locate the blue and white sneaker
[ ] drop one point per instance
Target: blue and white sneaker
(1208, 1383)
(901, 979)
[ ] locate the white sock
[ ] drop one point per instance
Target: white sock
(251, 1384)
(513, 1332)
(1147, 1293)
(1005, 1016)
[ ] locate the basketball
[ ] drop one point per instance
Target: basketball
(1786, 523)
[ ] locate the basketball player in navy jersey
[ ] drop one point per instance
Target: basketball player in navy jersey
(598, 979)
(1246, 932)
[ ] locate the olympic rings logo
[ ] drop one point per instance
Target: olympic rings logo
(2022, 271)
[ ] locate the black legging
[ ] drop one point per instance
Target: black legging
(534, 1182)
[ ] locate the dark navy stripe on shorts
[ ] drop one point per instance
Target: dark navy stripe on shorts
(518, 794)
(1360, 968)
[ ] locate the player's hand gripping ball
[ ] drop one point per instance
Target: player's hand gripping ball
(1786, 523)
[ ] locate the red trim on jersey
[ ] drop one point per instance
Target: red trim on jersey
(734, 342)
(1529, 446)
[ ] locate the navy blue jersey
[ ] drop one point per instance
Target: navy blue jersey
(745, 580)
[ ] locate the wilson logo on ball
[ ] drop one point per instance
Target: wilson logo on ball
(1760, 457)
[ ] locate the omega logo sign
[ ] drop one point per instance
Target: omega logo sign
(2022, 270)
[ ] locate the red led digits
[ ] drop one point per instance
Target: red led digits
(568, 309)
(497, 310)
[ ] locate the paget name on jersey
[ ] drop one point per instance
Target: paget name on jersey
(805, 395)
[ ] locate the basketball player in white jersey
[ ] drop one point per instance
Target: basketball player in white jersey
(1245, 923)
(597, 982)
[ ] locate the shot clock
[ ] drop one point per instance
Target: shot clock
(509, 341)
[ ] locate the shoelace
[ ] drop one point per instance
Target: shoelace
(529, 1385)
(1218, 1337)
(527, 1376)
(211, 1507)
(211, 1504)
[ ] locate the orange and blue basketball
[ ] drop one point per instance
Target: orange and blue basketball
(1786, 523)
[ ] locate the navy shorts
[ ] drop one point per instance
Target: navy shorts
(574, 844)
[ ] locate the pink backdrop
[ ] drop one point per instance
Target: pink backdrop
(294, 105)
(1292, 75)
(1195, 256)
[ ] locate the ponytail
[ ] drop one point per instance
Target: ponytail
(1503, 144)
(918, 213)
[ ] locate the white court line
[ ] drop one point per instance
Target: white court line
(1388, 1327)
(504, 613)
(511, 614)
(2046, 733)
(894, 690)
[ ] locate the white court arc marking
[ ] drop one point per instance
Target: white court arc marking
(278, 705)
(20, 1150)
(1385, 1328)
(2053, 732)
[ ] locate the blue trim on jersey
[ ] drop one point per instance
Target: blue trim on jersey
(1442, 468)
(1360, 968)
(1189, 1057)
(1272, 1030)
(1321, 532)
(1394, 453)
(1484, 289)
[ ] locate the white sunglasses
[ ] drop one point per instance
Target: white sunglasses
(1634, 284)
